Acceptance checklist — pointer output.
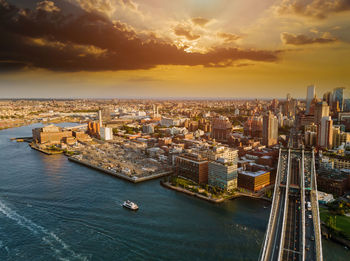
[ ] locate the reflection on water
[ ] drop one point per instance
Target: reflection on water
(52, 166)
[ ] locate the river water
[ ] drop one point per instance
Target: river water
(54, 209)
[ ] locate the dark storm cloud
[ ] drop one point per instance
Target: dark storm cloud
(302, 39)
(48, 38)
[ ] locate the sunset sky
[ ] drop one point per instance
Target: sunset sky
(166, 48)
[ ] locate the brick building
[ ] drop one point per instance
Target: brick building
(50, 134)
(253, 181)
(192, 167)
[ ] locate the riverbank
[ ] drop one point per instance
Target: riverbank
(208, 198)
(132, 179)
(340, 232)
(5, 125)
(11, 125)
(328, 234)
(190, 193)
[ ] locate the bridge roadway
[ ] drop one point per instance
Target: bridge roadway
(293, 231)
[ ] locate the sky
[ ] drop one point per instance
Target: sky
(166, 48)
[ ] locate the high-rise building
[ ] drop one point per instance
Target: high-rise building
(338, 96)
(310, 138)
(327, 97)
(321, 110)
(311, 94)
(346, 106)
(325, 133)
(270, 129)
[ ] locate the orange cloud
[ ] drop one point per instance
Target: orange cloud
(228, 37)
(200, 21)
(47, 6)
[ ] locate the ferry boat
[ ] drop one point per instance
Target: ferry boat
(130, 205)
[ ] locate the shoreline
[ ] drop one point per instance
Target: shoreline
(212, 200)
(47, 152)
(35, 122)
(327, 234)
(119, 175)
(193, 194)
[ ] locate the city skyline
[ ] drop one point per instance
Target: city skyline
(187, 49)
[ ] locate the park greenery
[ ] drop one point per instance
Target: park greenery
(337, 224)
(202, 189)
(130, 130)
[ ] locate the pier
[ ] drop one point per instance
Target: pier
(23, 139)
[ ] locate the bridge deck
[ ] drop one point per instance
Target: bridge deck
(293, 230)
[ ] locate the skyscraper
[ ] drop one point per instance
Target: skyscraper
(338, 96)
(321, 110)
(311, 94)
(325, 135)
(327, 97)
(270, 129)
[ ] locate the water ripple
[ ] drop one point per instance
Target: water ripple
(63, 251)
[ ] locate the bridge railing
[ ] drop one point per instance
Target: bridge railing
(264, 251)
(285, 212)
(302, 203)
(316, 212)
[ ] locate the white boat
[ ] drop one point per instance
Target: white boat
(130, 205)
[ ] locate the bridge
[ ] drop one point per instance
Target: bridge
(293, 231)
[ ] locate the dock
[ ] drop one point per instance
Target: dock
(23, 139)
(132, 179)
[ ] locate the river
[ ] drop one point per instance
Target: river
(54, 209)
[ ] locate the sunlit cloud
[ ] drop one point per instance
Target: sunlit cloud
(319, 9)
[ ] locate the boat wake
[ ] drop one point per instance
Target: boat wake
(61, 249)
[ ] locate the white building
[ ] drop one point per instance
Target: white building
(106, 133)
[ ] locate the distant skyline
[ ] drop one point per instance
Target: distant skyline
(184, 48)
